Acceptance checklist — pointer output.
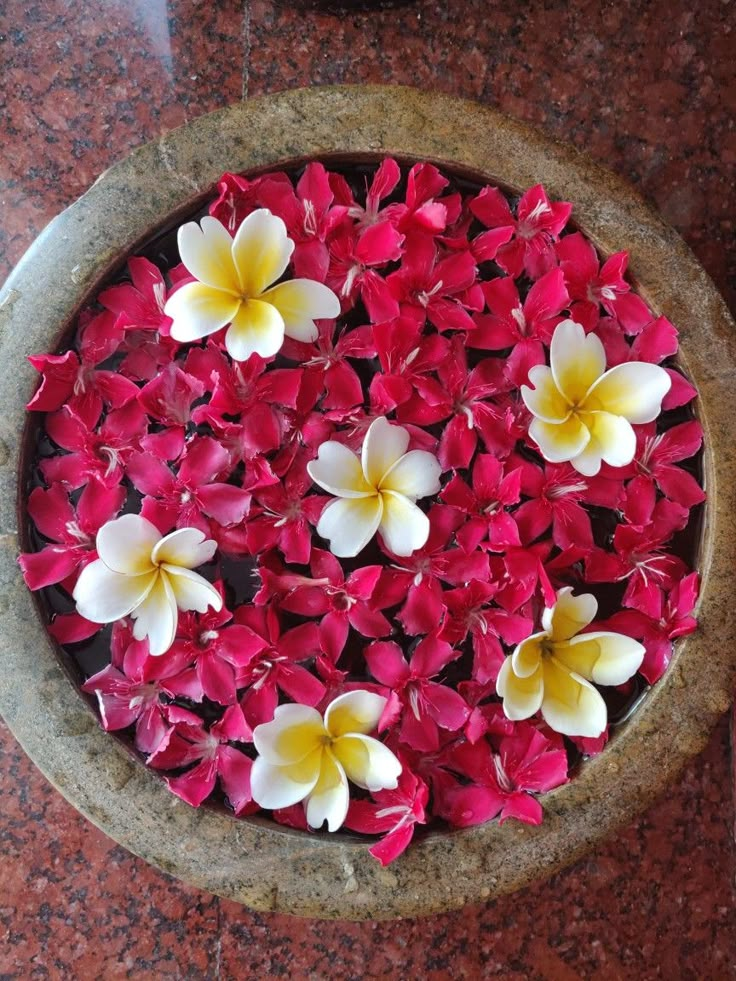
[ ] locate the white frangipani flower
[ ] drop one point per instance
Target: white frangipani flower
(234, 276)
(376, 492)
(305, 757)
(583, 413)
(552, 670)
(144, 575)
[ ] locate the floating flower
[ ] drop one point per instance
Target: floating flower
(144, 575)
(233, 279)
(303, 757)
(375, 493)
(583, 413)
(552, 670)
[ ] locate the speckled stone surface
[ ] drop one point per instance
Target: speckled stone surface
(131, 72)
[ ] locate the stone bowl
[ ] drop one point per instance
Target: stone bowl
(254, 861)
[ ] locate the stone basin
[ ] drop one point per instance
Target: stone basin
(254, 861)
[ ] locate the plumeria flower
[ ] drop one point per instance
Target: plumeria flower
(552, 670)
(144, 575)
(305, 757)
(376, 492)
(583, 413)
(233, 279)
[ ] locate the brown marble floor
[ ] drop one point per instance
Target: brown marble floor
(648, 89)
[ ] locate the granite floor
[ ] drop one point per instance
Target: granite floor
(648, 89)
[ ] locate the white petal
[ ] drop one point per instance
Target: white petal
(588, 462)
(570, 614)
(330, 798)
(560, 442)
(527, 655)
(522, 697)
(157, 617)
(281, 786)
(300, 302)
(367, 762)
(338, 471)
(611, 438)
(191, 591)
(125, 544)
(602, 657)
(186, 547)
(633, 390)
(577, 360)
(294, 733)
(103, 596)
(355, 711)
(415, 475)
(404, 527)
(349, 524)
(571, 705)
(198, 311)
(261, 251)
(257, 328)
(383, 446)
(545, 401)
(206, 251)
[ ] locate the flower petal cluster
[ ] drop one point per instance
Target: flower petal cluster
(583, 413)
(553, 670)
(376, 492)
(304, 756)
(147, 576)
(235, 285)
(345, 453)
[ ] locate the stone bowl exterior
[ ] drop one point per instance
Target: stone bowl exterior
(254, 861)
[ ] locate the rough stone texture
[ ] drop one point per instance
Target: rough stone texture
(251, 861)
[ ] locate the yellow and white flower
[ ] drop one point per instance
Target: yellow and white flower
(303, 757)
(583, 413)
(376, 492)
(145, 575)
(235, 286)
(552, 670)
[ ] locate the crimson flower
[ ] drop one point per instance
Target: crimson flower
(470, 611)
(671, 617)
(327, 360)
(393, 814)
(341, 601)
(428, 289)
(188, 741)
(406, 354)
(464, 398)
(244, 390)
(184, 498)
(556, 493)
(310, 216)
(524, 327)
(71, 530)
(73, 377)
(592, 285)
(416, 580)
(285, 514)
(536, 227)
(93, 453)
(352, 274)
(140, 303)
(129, 689)
(654, 467)
(640, 558)
(488, 523)
(276, 666)
(420, 703)
(216, 649)
(503, 783)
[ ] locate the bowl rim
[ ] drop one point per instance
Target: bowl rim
(252, 861)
